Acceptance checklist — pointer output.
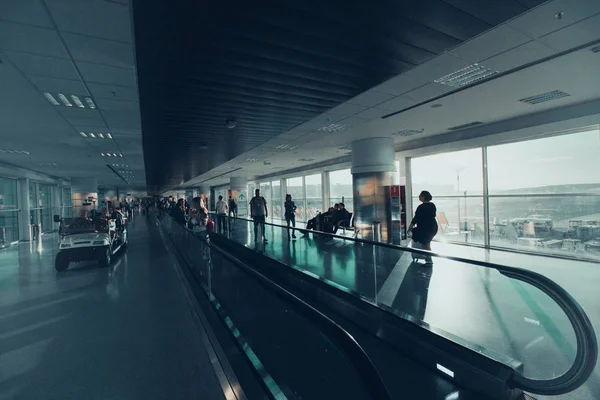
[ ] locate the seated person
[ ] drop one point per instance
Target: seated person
(340, 216)
(320, 222)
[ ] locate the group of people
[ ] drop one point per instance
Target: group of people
(331, 220)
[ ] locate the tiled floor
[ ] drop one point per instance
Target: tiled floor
(123, 332)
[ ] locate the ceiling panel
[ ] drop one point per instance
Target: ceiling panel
(105, 74)
(496, 41)
(542, 20)
(97, 18)
(397, 103)
(56, 85)
(30, 12)
(100, 91)
(118, 105)
(43, 65)
(271, 66)
(30, 39)
(429, 91)
(574, 35)
(521, 55)
(99, 51)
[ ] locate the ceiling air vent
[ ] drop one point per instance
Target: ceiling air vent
(408, 132)
(544, 97)
(306, 159)
(465, 126)
(466, 76)
(333, 128)
(595, 49)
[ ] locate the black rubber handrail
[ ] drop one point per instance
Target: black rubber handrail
(352, 349)
(587, 346)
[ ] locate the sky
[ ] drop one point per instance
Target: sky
(566, 159)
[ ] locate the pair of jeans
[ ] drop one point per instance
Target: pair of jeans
(291, 219)
(221, 222)
(259, 221)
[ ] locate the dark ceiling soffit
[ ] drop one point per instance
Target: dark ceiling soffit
(493, 77)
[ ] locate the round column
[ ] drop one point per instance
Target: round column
(372, 174)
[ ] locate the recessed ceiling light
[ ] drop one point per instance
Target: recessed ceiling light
(64, 100)
(92, 135)
(51, 99)
(252, 159)
(120, 155)
(77, 102)
(466, 76)
(102, 154)
(90, 103)
(83, 134)
(333, 128)
(108, 154)
(101, 136)
(115, 154)
(108, 135)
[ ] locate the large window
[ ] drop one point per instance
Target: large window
(314, 195)
(340, 188)
(9, 211)
(45, 206)
(455, 180)
(276, 200)
(295, 187)
(545, 194)
(66, 203)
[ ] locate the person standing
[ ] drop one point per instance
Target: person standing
(221, 214)
(232, 207)
(290, 215)
(426, 225)
(258, 212)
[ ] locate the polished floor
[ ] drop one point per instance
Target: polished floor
(478, 307)
(123, 332)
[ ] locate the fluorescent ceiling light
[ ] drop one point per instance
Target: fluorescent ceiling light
(64, 99)
(83, 134)
(115, 154)
(77, 102)
(90, 103)
(51, 99)
(92, 135)
(466, 76)
(108, 135)
(333, 128)
(102, 154)
(108, 154)
(120, 155)
(101, 136)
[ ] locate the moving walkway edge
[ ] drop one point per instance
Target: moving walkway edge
(354, 352)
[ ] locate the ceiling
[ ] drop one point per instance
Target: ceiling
(72, 47)
(271, 66)
(533, 53)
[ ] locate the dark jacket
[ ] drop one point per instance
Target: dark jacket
(290, 208)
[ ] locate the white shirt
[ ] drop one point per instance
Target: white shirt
(221, 207)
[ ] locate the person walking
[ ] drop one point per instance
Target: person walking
(424, 226)
(258, 212)
(221, 214)
(290, 215)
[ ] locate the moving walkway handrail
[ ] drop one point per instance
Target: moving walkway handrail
(587, 345)
(352, 349)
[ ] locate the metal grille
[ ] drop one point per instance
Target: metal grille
(544, 97)
(465, 126)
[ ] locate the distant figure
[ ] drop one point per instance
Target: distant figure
(426, 225)
(258, 212)
(178, 212)
(233, 207)
(290, 215)
(221, 208)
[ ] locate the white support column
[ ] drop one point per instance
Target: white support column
(23, 199)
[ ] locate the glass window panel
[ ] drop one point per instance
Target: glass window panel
(33, 195)
(276, 200)
(8, 194)
(460, 219)
(296, 189)
(9, 216)
(314, 195)
(449, 173)
(340, 185)
(560, 164)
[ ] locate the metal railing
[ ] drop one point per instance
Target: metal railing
(587, 347)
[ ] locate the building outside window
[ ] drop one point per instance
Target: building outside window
(66, 203)
(543, 194)
(340, 189)
(314, 195)
(276, 211)
(295, 187)
(455, 180)
(9, 212)
(265, 191)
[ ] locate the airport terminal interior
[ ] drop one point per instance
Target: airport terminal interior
(299, 200)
